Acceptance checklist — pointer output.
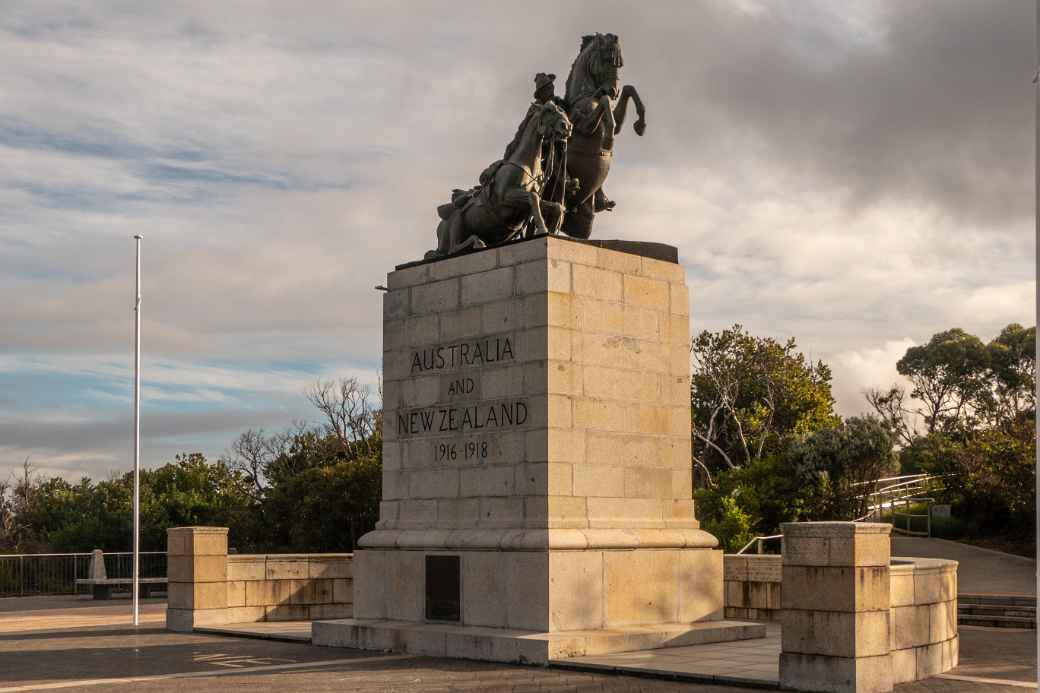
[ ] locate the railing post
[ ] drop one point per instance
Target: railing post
(21, 575)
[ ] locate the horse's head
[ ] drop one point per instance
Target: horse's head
(596, 67)
(553, 122)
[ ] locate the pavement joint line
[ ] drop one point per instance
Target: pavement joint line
(981, 679)
(55, 685)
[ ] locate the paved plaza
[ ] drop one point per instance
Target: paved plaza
(72, 643)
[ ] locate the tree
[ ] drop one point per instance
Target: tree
(890, 405)
(348, 411)
(319, 498)
(840, 463)
(995, 479)
(1012, 364)
(948, 375)
(254, 451)
(748, 392)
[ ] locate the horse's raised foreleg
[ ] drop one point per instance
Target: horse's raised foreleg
(536, 212)
(629, 92)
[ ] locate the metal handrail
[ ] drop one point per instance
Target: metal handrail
(757, 541)
(890, 478)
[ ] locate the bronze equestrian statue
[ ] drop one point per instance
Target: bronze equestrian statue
(592, 87)
(551, 177)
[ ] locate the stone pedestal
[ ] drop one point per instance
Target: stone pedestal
(196, 569)
(537, 497)
(835, 599)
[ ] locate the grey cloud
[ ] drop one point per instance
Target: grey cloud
(851, 174)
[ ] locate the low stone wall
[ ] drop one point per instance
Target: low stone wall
(843, 576)
(752, 586)
(289, 587)
(209, 587)
(923, 623)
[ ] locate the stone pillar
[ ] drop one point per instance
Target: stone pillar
(196, 570)
(536, 454)
(835, 601)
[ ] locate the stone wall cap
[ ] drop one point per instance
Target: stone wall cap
(199, 530)
(921, 565)
(834, 529)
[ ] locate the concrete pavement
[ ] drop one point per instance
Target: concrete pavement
(63, 643)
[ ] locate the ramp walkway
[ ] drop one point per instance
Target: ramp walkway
(981, 571)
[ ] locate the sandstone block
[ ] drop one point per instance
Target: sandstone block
(835, 633)
(458, 513)
(599, 480)
(246, 567)
(487, 481)
(343, 591)
(835, 674)
(659, 269)
(484, 582)
(516, 253)
(612, 260)
(679, 302)
(501, 512)
(435, 297)
(902, 589)
(576, 590)
(417, 513)
(395, 304)
(646, 292)
(528, 605)
(506, 315)
(483, 287)
(409, 276)
(596, 283)
(437, 483)
(471, 263)
(700, 585)
(569, 251)
(460, 323)
(422, 329)
(236, 593)
(369, 585)
(641, 587)
(197, 568)
(405, 577)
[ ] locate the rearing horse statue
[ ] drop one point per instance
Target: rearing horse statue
(592, 86)
(511, 190)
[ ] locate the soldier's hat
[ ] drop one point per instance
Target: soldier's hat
(543, 80)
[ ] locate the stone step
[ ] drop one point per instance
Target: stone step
(997, 610)
(505, 645)
(997, 621)
(996, 600)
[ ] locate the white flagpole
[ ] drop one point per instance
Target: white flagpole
(137, 437)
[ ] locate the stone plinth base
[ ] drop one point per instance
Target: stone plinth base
(522, 646)
(836, 674)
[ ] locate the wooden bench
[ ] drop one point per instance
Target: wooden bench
(101, 585)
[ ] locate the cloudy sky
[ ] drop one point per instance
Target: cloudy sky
(857, 175)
